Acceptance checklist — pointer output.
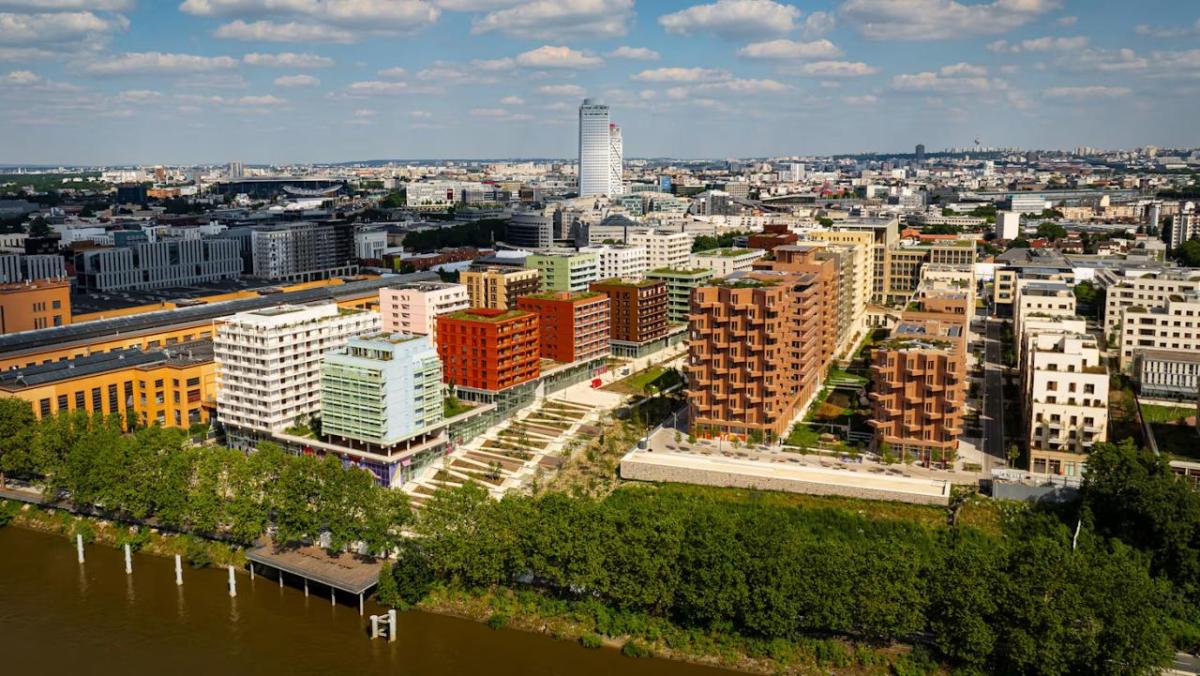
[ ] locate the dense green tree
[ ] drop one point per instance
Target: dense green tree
(1051, 231)
(962, 611)
(17, 426)
(1189, 253)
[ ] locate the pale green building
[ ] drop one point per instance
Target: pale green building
(568, 271)
(680, 283)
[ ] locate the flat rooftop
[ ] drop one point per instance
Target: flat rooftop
(348, 572)
(183, 354)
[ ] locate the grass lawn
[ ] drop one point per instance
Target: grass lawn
(1161, 414)
(658, 376)
(452, 406)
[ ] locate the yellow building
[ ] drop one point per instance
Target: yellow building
(499, 288)
(33, 305)
(175, 387)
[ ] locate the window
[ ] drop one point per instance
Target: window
(44, 407)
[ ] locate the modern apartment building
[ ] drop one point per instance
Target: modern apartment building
(814, 259)
(40, 304)
(572, 326)
(489, 350)
(1036, 299)
(616, 161)
(860, 247)
(269, 364)
(1173, 326)
(381, 389)
(1065, 384)
(565, 271)
(530, 229)
(663, 249)
(725, 262)
(498, 288)
(885, 236)
(638, 310)
(156, 265)
(754, 353)
(919, 379)
(173, 387)
(595, 149)
(1151, 290)
(1167, 374)
(415, 306)
(680, 283)
(625, 262)
(298, 251)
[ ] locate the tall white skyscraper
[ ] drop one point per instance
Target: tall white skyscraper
(595, 142)
(616, 161)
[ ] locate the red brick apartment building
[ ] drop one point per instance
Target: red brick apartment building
(638, 309)
(487, 349)
(573, 326)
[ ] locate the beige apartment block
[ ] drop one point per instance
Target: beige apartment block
(1040, 300)
(1148, 291)
(499, 288)
(1174, 326)
(1065, 384)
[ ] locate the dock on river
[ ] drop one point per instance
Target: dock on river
(345, 572)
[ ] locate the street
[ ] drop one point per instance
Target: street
(993, 398)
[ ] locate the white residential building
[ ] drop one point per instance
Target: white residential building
(724, 262)
(1036, 299)
(1173, 326)
(1148, 291)
(269, 364)
(664, 249)
(1008, 225)
(370, 244)
(616, 161)
(625, 262)
(1066, 401)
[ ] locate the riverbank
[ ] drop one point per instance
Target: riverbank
(594, 625)
(198, 552)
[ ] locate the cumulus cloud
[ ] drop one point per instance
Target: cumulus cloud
(940, 19)
(548, 56)
(790, 49)
(963, 68)
(377, 88)
(1087, 92)
(681, 75)
(157, 63)
(733, 19)
(287, 60)
(296, 81)
(494, 65)
(562, 90)
(66, 5)
(832, 69)
(1044, 44)
(818, 24)
(394, 73)
(635, 53)
(512, 101)
(68, 31)
(1168, 32)
(500, 114)
(559, 19)
(314, 20)
(21, 77)
(863, 100)
(935, 82)
(746, 86)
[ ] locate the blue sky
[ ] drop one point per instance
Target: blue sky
(192, 81)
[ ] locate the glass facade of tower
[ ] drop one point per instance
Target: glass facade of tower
(594, 149)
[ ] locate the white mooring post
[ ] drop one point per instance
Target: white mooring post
(281, 578)
(178, 571)
(128, 561)
(360, 604)
(374, 627)
(332, 597)
(79, 547)
(391, 625)
(306, 587)
(232, 583)
(251, 571)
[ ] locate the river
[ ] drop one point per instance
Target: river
(58, 617)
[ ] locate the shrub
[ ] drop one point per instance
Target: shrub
(590, 640)
(196, 553)
(635, 648)
(497, 620)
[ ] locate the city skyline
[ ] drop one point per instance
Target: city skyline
(203, 81)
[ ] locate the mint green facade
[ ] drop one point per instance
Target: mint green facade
(381, 390)
(566, 271)
(679, 289)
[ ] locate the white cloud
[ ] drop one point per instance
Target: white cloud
(681, 75)
(1044, 44)
(559, 19)
(394, 73)
(790, 49)
(494, 65)
(832, 69)
(1067, 20)
(1169, 31)
(259, 101)
(1104, 60)
(864, 100)
(420, 114)
(287, 60)
(933, 82)
(548, 56)
(733, 19)
(21, 77)
(364, 112)
(63, 30)
(562, 90)
(140, 96)
(315, 20)
(66, 5)
(963, 68)
(512, 101)
(377, 88)
(296, 81)
(1088, 92)
(157, 63)
(635, 53)
(940, 19)
(818, 24)
(292, 31)
(747, 86)
(489, 112)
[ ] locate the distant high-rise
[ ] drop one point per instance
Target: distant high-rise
(920, 153)
(595, 149)
(616, 161)
(236, 170)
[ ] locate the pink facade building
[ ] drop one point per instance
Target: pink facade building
(414, 307)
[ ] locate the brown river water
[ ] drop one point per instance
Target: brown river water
(58, 617)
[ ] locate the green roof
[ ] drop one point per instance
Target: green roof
(680, 272)
(558, 295)
(475, 316)
(726, 253)
(744, 283)
(617, 281)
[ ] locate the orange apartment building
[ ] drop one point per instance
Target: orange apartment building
(572, 326)
(485, 349)
(810, 259)
(638, 309)
(755, 353)
(773, 235)
(174, 388)
(38, 304)
(919, 385)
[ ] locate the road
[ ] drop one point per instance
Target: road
(1185, 664)
(993, 397)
